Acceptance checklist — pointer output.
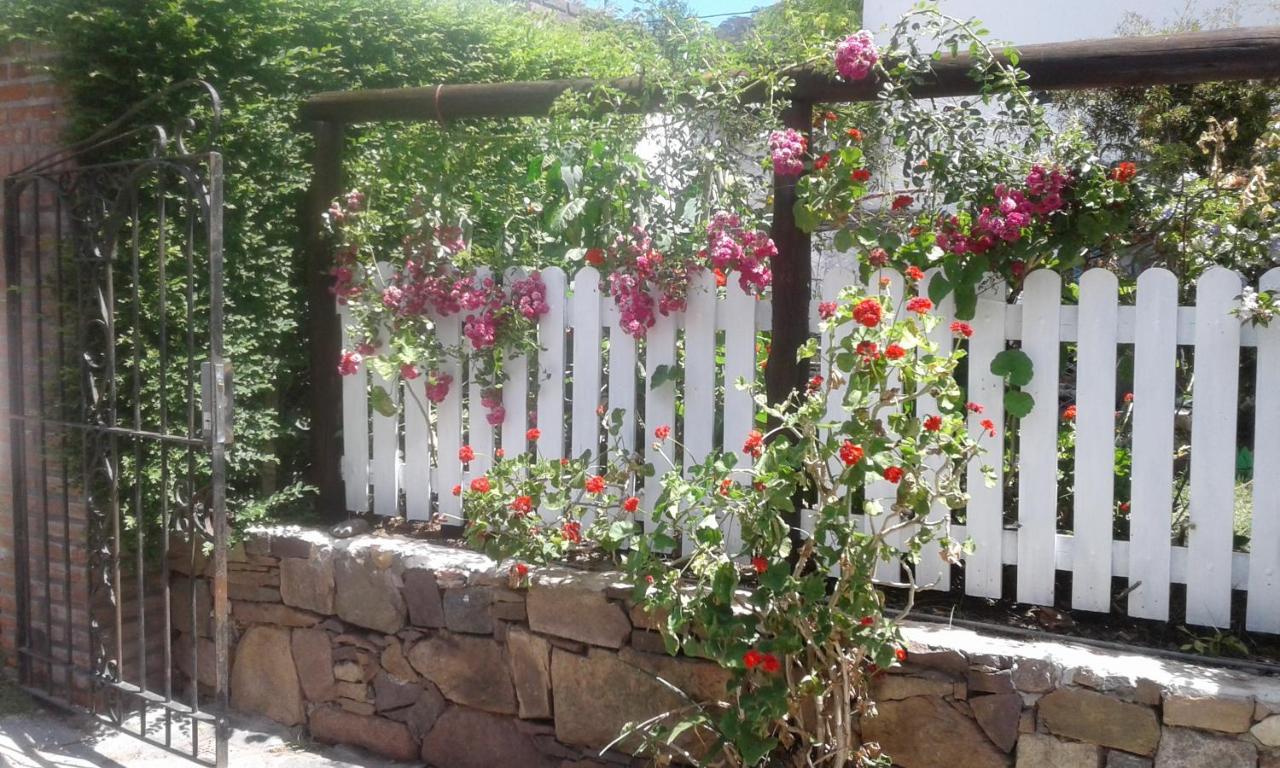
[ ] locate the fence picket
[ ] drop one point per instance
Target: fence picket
(1263, 609)
(515, 395)
(984, 519)
(659, 401)
(932, 572)
(355, 426)
(551, 366)
(479, 431)
(834, 280)
(449, 424)
(416, 477)
(879, 489)
(699, 373)
(1213, 447)
(584, 421)
(622, 378)
(737, 319)
(1038, 440)
(1151, 501)
(1094, 508)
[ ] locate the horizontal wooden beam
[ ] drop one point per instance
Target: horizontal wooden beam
(1196, 57)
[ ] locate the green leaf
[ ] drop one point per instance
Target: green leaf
(663, 374)
(1014, 366)
(966, 301)
(939, 287)
(1018, 403)
(844, 240)
(382, 402)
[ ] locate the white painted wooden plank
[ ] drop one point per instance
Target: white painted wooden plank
(1185, 323)
(833, 282)
(985, 515)
(386, 452)
(1038, 440)
(932, 572)
(1151, 502)
(699, 374)
(1094, 509)
(660, 404)
(622, 377)
(417, 450)
(515, 395)
(386, 438)
(551, 361)
(736, 319)
(890, 283)
(479, 432)
(449, 425)
(1215, 391)
(1263, 611)
(355, 425)
(584, 421)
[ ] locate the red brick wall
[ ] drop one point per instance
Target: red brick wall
(31, 122)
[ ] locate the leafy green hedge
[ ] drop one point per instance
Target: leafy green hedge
(266, 57)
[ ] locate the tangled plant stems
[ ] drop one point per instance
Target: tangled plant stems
(801, 630)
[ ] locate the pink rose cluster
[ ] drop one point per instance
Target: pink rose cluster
(1013, 211)
(642, 271)
(856, 55)
(788, 148)
(749, 252)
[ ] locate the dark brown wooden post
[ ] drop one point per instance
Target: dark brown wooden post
(792, 275)
(324, 330)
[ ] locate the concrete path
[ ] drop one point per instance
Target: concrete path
(35, 736)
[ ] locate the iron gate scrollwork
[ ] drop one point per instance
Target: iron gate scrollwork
(119, 411)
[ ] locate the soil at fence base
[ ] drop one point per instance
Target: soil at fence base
(1059, 619)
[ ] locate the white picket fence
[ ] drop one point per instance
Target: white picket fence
(412, 465)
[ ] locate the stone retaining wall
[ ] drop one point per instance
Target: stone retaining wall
(421, 652)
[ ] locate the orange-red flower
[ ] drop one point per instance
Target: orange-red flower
(850, 453)
(1124, 172)
(631, 504)
(893, 474)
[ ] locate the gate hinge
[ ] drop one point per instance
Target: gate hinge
(216, 401)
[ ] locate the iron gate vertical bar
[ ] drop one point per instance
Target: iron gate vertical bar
(161, 254)
(218, 461)
(325, 333)
(139, 516)
(38, 290)
(65, 365)
(17, 408)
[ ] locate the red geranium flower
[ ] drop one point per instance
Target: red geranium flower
(480, 484)
(822, 162)
(867, 313)
(465, 453)
(760, 564)
(1128, 397)
(457, 490)
(860, 175)
(522, 505)
(974, 408)
(725, 486)
(595, 256)
(900, 654)
(521, 570)
(920, 305)
(754, 443)
(662, 432)
(815, 383)
(1069, 413)
(594, 484)
(933, 423)
(902, 201)
(532, 434)
(1124, 172)
(894, 352)
(572, 531)
(961, 328)
(850, 453)
(721, 279)
(914, 273)
(752, 659)
(854, 134)
(893, 474)
(867, 621)
(631, 504)
(989, 426)
(868, 350)
(771, 663)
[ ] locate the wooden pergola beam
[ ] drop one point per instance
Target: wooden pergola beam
(1198, 57)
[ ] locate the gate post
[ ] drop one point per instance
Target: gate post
(324, 329)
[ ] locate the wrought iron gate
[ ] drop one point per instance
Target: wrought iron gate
(119, 408)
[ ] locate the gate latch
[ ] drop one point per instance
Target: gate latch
(216, 395)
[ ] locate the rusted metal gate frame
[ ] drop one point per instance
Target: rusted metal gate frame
(91, 203)
(1198, 57)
